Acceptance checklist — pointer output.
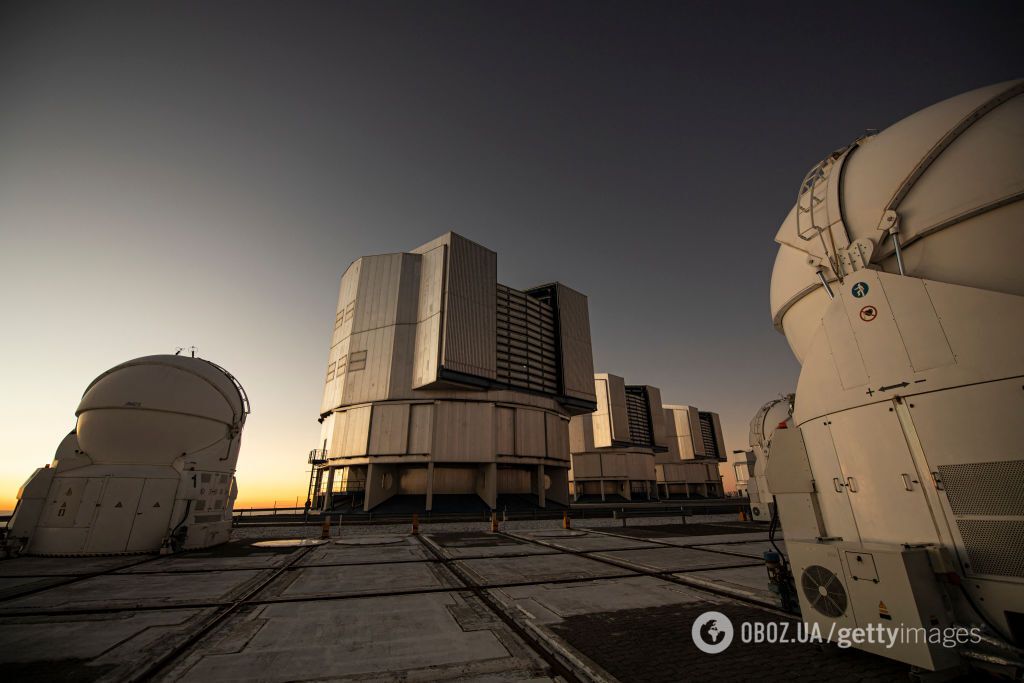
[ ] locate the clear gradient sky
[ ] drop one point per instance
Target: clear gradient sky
(177, 174)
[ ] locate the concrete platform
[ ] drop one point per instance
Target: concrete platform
(483, 544)
(586, 542)
(672, 559)
(439, 636)
(530, 604)
(539, 568)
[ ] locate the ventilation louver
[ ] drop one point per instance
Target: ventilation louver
(824, 591)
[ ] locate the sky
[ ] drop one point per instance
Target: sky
(177, 174)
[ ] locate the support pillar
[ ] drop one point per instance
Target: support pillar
(487, 484)
(541, 489)
(329, 493)
(559, 491)
(430, 486)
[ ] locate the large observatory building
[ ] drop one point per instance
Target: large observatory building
(446, 389)
(633, 447)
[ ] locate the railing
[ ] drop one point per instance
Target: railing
(697, 507)
(318, 456)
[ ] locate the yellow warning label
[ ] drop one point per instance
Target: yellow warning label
(883, 611)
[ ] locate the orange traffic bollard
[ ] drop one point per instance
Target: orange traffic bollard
(566, 524)
(415, 522)
(325, 530)
(494, 522)
(743, 515)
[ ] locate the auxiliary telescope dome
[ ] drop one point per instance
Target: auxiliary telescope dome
(949, 177)
(154, 409)
(150, 465)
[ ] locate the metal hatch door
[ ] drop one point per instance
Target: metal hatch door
(883, 485)
(152, 514)
(115, 516)
(829, 481)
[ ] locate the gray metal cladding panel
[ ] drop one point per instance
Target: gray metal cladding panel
(994, 546)
(470, 315)
(577, 354)
(985, 488)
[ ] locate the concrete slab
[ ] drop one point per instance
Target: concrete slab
(653, 644)
(745, 582)
(11, 586)
(637, 529)
(550, 603)
(671, 559)
(436, 636)
(87, 647)
(755, 549)
(483, 544)
(188, 563)
(129, 591)
(328, 582)
(687, 541)
(593, 542)
(538, 568)
(65, 566)
(406, 550)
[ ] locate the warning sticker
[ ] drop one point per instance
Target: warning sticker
(883, 611)
(868, 313)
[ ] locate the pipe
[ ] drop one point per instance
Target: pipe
(824, 283)
(899, 252)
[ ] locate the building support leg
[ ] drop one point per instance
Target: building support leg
(329, 492)
(430, 486)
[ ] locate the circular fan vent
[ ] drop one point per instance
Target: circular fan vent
(824, 591)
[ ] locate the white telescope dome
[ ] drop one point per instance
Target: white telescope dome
(952, 175)
(154, 409)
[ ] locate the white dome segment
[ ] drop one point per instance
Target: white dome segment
(952, 175)
(149, 467)
(155, 409)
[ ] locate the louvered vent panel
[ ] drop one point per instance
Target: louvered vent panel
(526, 344)
(707, 435)
(640, 431)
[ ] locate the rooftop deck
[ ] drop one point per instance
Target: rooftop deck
(534, 602)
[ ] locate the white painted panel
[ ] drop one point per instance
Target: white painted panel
(918, 323)
(530, 435)
(357, 431)
(577, 355)
(505, 430)
(469, 326)
(557, 432)
(464, 431)
(613, 465)
(828, 479)
(109, 534)
(389, 429)
(421, 427)
(152, 515)
(873, 451)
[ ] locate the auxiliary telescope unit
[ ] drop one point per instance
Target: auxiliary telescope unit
(149, 466)
(900, 476)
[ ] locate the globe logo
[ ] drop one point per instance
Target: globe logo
(712, 632)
